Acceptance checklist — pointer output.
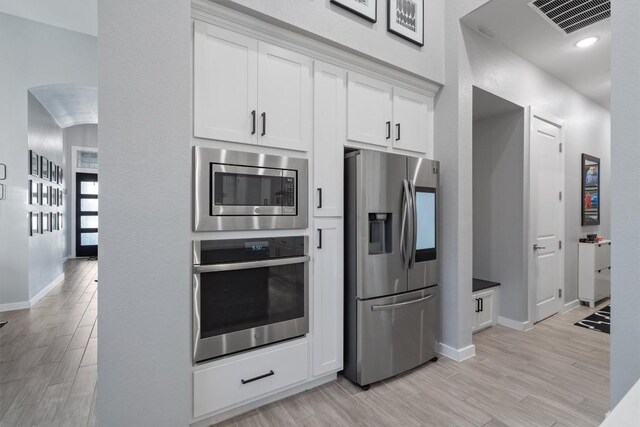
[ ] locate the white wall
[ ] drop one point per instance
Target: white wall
(498, 229)
(625, 200)
(145, 169)
(587, 126)
(453, 148)
(46, 250)
(74, 136)
(334, 25)
(75, 15)
(33, 54)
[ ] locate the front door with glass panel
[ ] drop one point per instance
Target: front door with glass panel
(86, 214)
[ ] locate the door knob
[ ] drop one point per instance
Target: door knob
(536, 247)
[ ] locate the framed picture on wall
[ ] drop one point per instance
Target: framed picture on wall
(591, 190)
(60, 197)
(405, 18)
(54, 196)
(34, 223)
(33, 193)
(44, 168)
(44, 222)
(59, 175)
(60, 222)
(367, 9)
(53, 174)
(44, 194)
(54, 221)
(33, 163)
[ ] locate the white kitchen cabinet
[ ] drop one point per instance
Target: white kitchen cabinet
(368, 110)
(328, 297)
(249, 91)
(284, 98)
(413, 122)
(329, 121)
(485, 309)
(225, 81)
(594, 271)
(245, 377)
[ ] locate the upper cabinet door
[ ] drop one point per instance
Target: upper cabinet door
(413, 122)
(368, 110)
(225, 85)
(284, 97)
(328, 138)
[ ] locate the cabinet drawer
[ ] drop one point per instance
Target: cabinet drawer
(247, 378)
(602, 256)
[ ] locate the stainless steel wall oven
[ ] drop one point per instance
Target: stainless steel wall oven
(248, 293)
(235, 190)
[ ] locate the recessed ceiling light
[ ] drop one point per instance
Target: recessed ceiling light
(586, 42)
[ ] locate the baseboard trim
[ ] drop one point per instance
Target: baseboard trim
(571, 305)
(457, 354)
(513, 324)
(11, 306)
(21, 305)
(37, 297)
(208, 420)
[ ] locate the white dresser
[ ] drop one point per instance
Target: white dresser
(594, 273)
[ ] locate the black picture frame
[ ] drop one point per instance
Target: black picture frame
(53, 172)
(60, 221)
(34, 192)
(33, 163)
(34, 223)
(395, 28)
(59, 175)
(60, 197)
(44, 194)
(344, 4)
(591, 190)
(44, 168)
(44, 222)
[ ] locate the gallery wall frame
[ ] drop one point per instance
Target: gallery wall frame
(44, 168)
(405, 19)
(34, 161)
(34, 223)
(367, 9)
(591, 190)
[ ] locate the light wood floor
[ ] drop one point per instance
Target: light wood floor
(554, 375)
(48, 355)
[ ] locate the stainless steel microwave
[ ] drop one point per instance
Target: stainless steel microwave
(236, 190)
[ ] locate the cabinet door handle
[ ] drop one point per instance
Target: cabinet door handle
(319, 198)
(397, 131)
(477, 305)
(319, 238)
(481, 304)
(264, 124)
(259, 377)
(253, 122)
(388, 130)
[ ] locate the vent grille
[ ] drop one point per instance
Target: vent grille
(572, 15)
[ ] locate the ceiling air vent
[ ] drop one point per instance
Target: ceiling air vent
(572, 15)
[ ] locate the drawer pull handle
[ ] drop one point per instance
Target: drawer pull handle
(259, 377)
(400, 304)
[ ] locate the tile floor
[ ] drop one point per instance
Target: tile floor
(48, 355)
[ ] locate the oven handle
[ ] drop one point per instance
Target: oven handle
(213, 268)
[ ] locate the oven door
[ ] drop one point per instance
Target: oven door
(244, 190)
(238, 306)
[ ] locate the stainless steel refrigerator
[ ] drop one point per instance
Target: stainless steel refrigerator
(391, 264)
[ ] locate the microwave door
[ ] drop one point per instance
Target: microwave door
(423, 267)
(243, 190)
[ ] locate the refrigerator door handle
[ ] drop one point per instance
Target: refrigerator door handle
(399, 304)
(414, 225)
(405, 221)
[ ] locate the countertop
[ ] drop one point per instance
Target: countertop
(481, 285)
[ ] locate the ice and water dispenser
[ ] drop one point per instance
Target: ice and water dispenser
(380, 238)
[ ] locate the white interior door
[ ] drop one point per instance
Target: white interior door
(546, 215)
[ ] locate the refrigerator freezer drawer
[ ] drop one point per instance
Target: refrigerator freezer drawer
(396, 333)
